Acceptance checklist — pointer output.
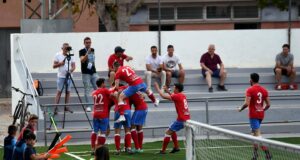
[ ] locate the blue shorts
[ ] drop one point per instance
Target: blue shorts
(126, 123)
(60, 84)
(176, 126)
(131, 90)
(175, 73)
(255, 123)
(216, 73)
(100, 124)
(138, 118)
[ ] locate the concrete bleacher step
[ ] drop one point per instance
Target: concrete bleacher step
(284, 108)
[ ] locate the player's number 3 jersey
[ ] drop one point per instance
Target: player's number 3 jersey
(258, 96)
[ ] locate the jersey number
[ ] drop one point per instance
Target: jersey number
(185, 104)
(126, 70)
(98, 99)
(259, 95)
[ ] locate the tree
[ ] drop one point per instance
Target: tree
(281, 4)
(114, 14)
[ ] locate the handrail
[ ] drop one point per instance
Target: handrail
(29, 79)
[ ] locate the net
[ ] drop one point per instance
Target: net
(206, 142)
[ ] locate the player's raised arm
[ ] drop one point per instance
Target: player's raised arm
(246, 104)
(165, 96)
(268, 104)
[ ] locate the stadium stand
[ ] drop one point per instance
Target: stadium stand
(221, 105)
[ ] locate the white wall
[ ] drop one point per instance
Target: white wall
(242, 48)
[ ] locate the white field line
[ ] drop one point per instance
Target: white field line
(83, 153)
(74, 156)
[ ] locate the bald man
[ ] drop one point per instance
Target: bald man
(209, 63)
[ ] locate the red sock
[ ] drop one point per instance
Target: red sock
(128, 140)
(118, 141)
(165, 142)
(264, 148)
(151, 96)
(121, 109)
(93, 140)
(175, 141)
(135, 139)
(140, 138)
(101, 139)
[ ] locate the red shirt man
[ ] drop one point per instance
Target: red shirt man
(138, 101)
(125, 73)
(101, 103)
(181, 106)
(119, 57)
(256, 97)
(183, 115)
(138, 119)
(100, 114)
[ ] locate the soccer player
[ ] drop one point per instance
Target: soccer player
(183, 115)
(138, 120)
(10, 142)
(101, 98)
(126, 123)
(125, 73)
(256, 97)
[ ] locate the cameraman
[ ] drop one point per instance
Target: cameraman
(88, 69)
(61, 62)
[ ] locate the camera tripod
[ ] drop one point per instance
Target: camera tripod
(65, 86)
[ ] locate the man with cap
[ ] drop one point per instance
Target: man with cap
(119, 56)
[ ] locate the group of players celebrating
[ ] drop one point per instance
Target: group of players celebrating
(122, 97)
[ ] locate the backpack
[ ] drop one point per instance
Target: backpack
(38, 86)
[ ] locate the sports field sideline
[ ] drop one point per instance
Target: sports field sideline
(82, 152)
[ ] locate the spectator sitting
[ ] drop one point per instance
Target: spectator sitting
(30, 153)
(209, 63)
(154, 65)
(102, 153)
(20, 146)
(119, 57)
(10, 142)
(170, 62)
(285, 66)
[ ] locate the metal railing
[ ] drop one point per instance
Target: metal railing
(206, 100)
(29, 80)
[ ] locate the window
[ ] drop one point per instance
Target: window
(247, 26)
(167, 27)
(189, 13)
(218, 11)
(245, 12)
(166, 13)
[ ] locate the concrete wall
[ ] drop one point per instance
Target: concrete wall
(243, 48)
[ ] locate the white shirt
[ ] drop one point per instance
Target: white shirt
(154, 62)
(171, 62)
(62, 70)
